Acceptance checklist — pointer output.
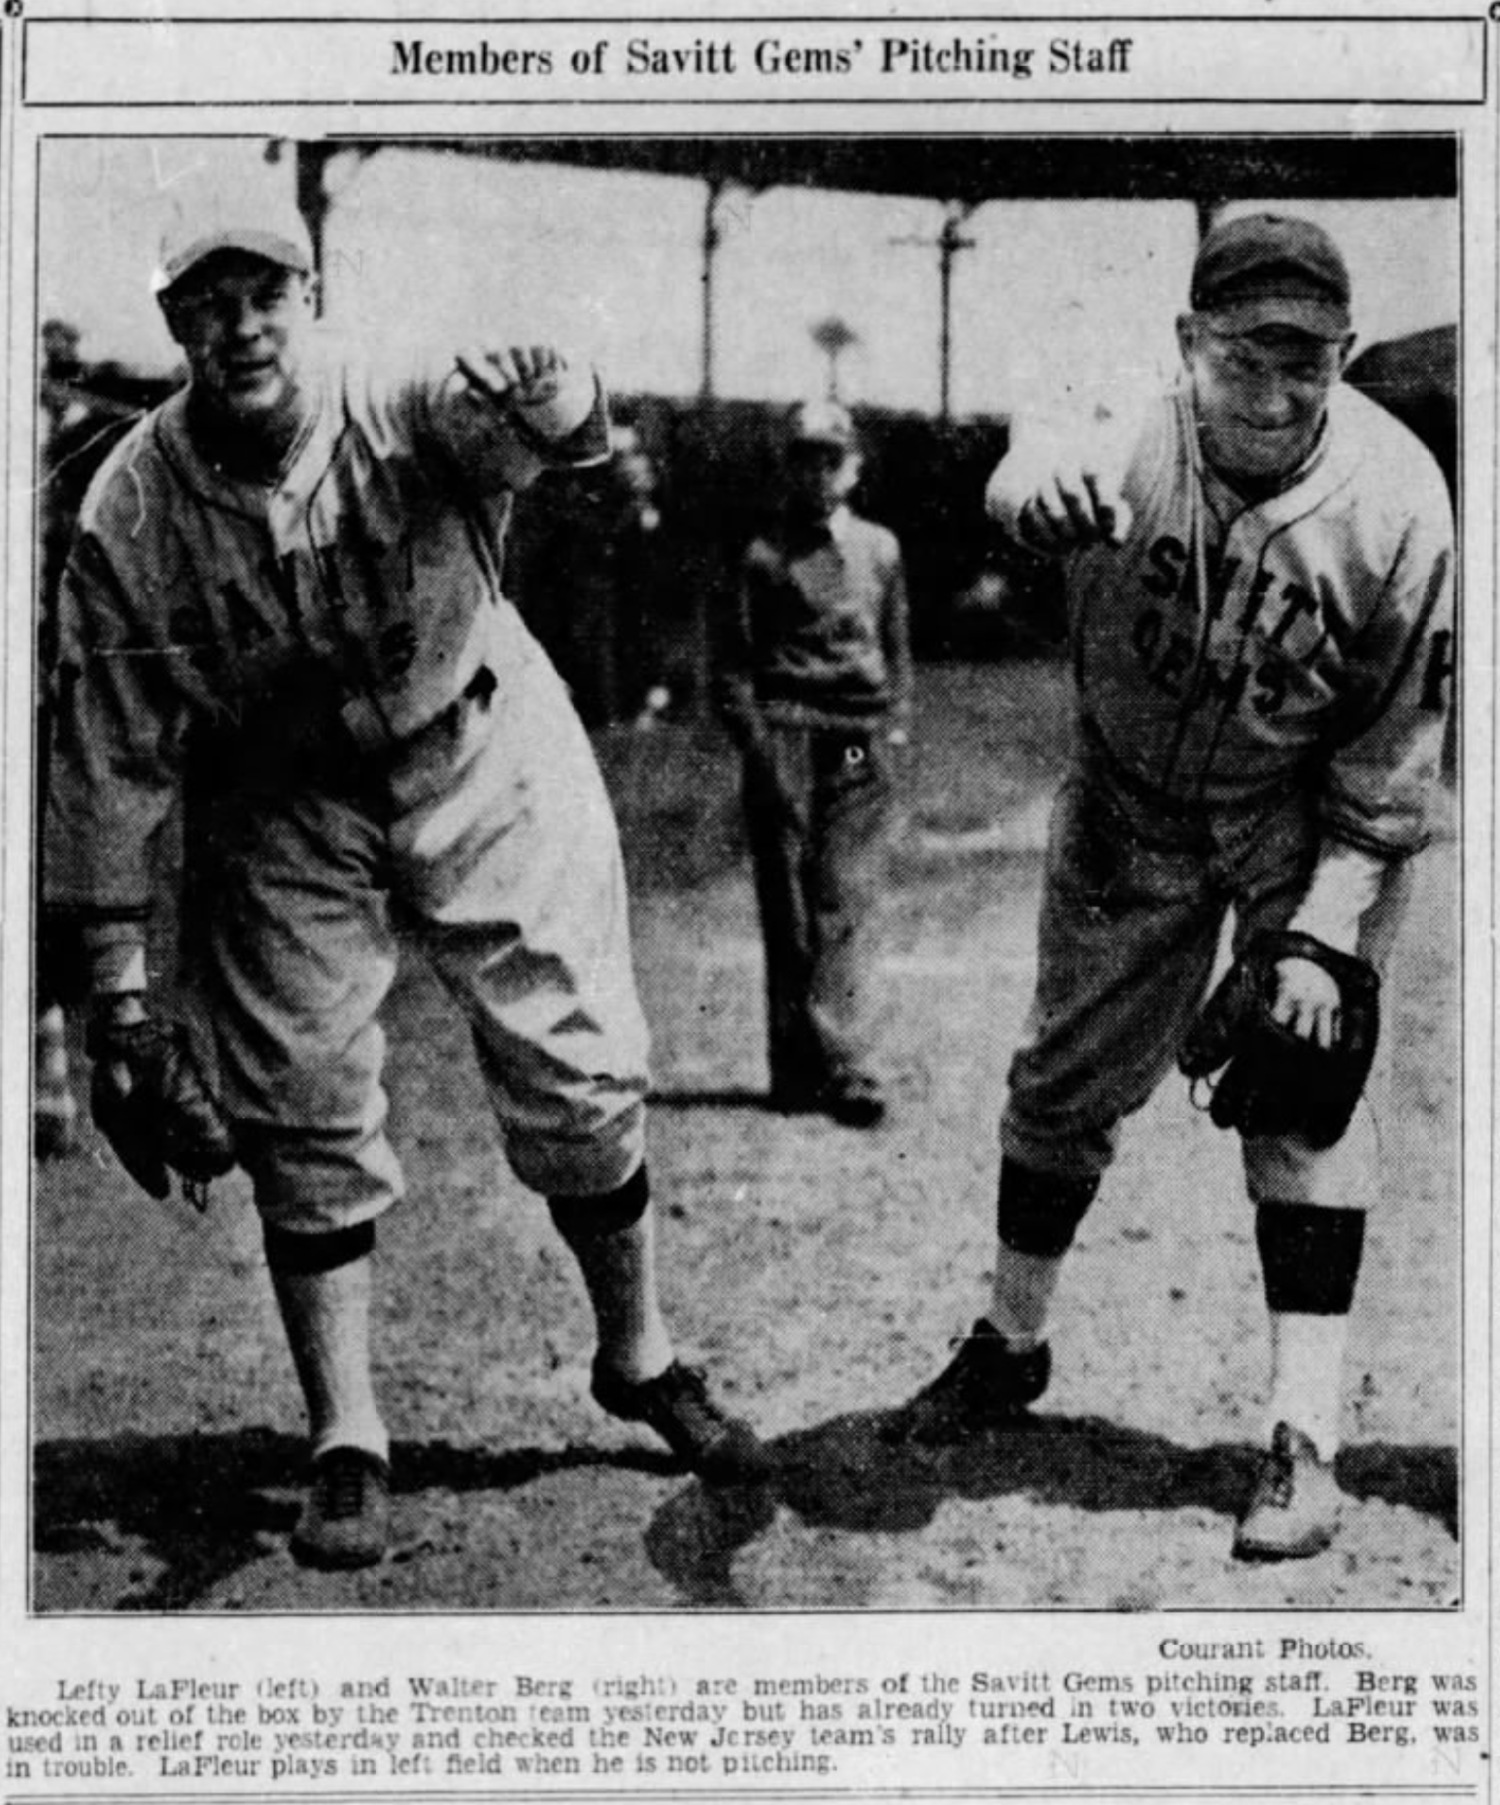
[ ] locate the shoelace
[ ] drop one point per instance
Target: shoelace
(689, 1389)
(344, 1489)
(1280, 1474)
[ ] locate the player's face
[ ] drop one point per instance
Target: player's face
(1260, 398)
(242, 323)
(820, 477)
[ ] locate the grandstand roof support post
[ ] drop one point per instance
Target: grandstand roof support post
(951, 241)
(313, 199)
(712, 237)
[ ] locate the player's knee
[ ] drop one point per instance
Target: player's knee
(1309, 1257)
(297, 1255)
(1038, 1213)
(610, 1213)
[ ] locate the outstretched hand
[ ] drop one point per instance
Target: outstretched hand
(520, 375)
(1064, 487)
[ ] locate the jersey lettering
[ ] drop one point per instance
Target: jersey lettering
(1176, 660)
(1168, 559)
(397, 650)
(1298, 601)
(1225, 687)
(1261, 585)
(1270, 687)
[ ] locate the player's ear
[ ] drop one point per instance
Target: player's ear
(1346, 351)
(172, 314)
(1187, 335)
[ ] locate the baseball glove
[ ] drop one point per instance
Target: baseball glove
(152, 1103)
(1274, 1081)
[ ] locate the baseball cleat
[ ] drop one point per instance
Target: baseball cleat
(855, 1103)
(677, 1405)
(985, 1386)
(1294, 1509)
(346, 1521)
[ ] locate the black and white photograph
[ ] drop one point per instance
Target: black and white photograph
(748, 878)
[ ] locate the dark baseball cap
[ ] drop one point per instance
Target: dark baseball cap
(1264, 270)
(255, 213)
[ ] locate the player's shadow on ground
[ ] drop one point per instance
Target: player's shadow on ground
(183, 1513)
(729, 1096)
(858, 1473)
(201, 1507)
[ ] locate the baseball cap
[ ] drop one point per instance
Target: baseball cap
(821, 423)
(253, 214)
(1266, 270)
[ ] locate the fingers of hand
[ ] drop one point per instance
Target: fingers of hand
(1307, 1001)
(513, 372)
(1076, 507)
(1111, 510)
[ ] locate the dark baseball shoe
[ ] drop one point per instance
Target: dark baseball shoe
(346, 1521)
(1294, 1509)
(677, 1405)
(986, 1385)
(855, 1102)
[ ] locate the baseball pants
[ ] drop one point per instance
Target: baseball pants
(817, 809)
(1133, 908)
(488, 839)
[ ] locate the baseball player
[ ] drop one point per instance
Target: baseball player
(289, 578)
(1259, 578)
(815, 685)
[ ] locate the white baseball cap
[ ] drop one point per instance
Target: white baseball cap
(821, 423)
(254, 214)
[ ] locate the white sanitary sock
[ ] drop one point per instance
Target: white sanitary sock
(1022, 1291)
(1307, 1365)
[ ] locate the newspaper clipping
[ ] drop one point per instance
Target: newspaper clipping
(748, 911)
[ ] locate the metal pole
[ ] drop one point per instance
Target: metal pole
(312, 199)
(950, 242)
(711, 237)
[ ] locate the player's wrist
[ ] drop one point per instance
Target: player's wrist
(116, 957)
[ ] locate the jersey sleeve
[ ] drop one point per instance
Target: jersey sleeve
(114, 769)
(1378, 792)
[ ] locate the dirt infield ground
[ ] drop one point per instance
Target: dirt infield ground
(818, 1271)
